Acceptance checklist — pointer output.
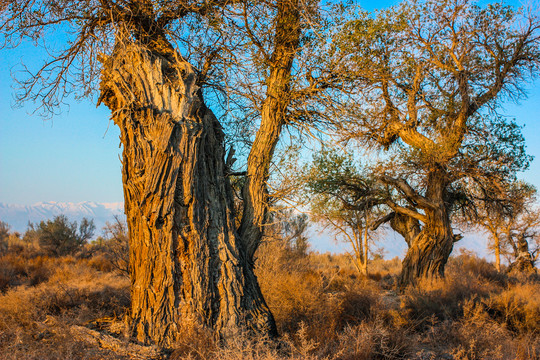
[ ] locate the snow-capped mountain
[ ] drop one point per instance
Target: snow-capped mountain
(18, 216)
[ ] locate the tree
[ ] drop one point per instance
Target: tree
(427, 73)
(188, 260)
(512, 218)
(273, 89)
(289, 229)
(59, 236)
(343, 201)
(521, 225)
(4, 235)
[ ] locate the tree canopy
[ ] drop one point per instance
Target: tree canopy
(431, 76)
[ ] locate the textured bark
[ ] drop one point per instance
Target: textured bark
(186, 261)
(255, 192)
(427, 256)
(497, 245)
(406, 226)
(524, 261)
(429, 251)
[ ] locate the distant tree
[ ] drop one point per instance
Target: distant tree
(427, 74)
(521, 228)
(289, 229)
(59, 236)
(4, 230)
(515, 216)
(344, 202)
(4, 235)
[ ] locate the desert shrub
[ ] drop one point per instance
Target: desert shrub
(440, 300)
(195, 343)
(4, 235)
(59, 237)
(467, 278)
(111, 252)
(476, 336)
(518, 307)
(467, 264)
(380, 268)
(16, 269)
(35, 320)
(320, 294)
(369, 340)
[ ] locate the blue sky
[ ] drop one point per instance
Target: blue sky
(75, 156)
(72, 157)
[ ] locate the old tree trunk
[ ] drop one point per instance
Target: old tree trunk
(429, 250)
(187, 263)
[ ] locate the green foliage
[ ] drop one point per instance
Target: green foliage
(345, 198)
(59, 236)
(338, 183)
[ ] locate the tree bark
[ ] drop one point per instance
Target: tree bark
(365, 250)
(497, 244)
(273, 113)
(524, 261)
(406, 226)
(429, 251)
(187, 263)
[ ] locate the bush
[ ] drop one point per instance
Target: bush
(111, 252)
(518, 307)
(35, 320)
(60, 237)
(4, 235)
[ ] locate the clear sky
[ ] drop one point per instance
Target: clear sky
(75, 156)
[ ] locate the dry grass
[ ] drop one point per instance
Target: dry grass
(35, 320)
(324, 310)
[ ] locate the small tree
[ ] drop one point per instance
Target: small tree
(4, 235)
(60, 237)
(344, 202)
(511, 219)
(290, 229)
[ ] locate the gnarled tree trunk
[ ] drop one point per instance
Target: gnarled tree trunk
(186, 261)
(524, 261)
(429, 251)
(406, 226)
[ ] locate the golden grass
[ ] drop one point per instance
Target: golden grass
(324, 310)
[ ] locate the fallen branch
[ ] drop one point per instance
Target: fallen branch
(104, 341)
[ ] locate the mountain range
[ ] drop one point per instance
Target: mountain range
(18, 216)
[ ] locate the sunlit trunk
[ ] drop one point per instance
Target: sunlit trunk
(187, 264)
(365, 251)
(273, 118)
(429, 251)
(497, 244)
